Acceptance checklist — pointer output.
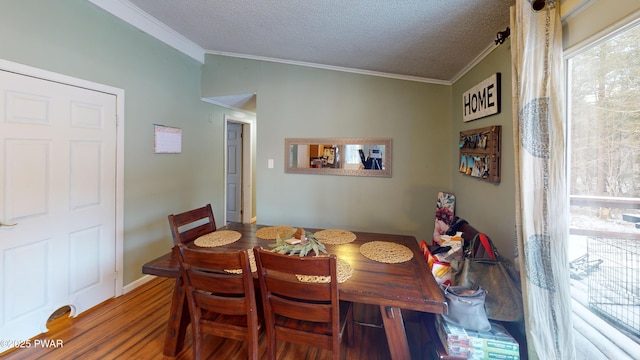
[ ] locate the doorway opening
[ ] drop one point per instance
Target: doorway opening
(244, 184)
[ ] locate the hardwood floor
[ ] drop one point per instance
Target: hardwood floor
(133, 327)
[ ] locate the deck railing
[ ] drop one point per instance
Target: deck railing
(614, 285)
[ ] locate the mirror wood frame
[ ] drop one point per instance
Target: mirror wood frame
(341, 142)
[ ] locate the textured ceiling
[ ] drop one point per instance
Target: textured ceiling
(424, 39)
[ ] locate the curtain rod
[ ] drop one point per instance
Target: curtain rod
(538, 5)
(501, 36)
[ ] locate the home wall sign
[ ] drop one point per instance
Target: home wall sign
(482, 100)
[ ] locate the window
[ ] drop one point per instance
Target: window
(604, 175)
(352, 158)
(352, 155)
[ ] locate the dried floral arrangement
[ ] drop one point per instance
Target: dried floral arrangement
(301, 242)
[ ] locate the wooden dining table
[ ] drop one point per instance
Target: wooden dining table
(391, 286)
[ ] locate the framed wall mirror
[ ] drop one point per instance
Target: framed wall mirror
(338, 156)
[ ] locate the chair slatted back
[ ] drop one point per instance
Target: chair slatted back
(192, 224)
(301, 312)
(221, 301)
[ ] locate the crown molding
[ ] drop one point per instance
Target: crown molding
(570, 8)
(133, 15)
(473, 63)
(330, 67)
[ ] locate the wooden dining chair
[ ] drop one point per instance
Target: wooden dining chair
(308, 313)
(183, 233)
(221, 302)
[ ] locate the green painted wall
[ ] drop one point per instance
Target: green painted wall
(595, 18)
(488, 206)
(295, 101)
(76, 38)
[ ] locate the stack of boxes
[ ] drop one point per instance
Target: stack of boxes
(494, 344)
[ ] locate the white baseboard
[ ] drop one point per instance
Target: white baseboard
(134, 284)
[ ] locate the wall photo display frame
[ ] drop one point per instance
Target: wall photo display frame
(480, 153)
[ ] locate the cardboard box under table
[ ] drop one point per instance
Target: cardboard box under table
(494, 344)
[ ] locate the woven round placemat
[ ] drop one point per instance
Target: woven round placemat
(218, 238)
(252, 263)
(270, 232)
(335, 236)
(386, 252)
(345, 271)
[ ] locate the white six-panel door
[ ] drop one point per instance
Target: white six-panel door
(57, 201)
(234, 172)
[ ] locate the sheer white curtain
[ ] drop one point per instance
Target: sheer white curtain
(541, 198)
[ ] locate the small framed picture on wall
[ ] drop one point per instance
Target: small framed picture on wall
(167, 140)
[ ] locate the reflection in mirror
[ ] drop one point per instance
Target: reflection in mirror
(334, 156)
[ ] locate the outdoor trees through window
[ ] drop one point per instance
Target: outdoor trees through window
(605, 118)
(604, 159)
